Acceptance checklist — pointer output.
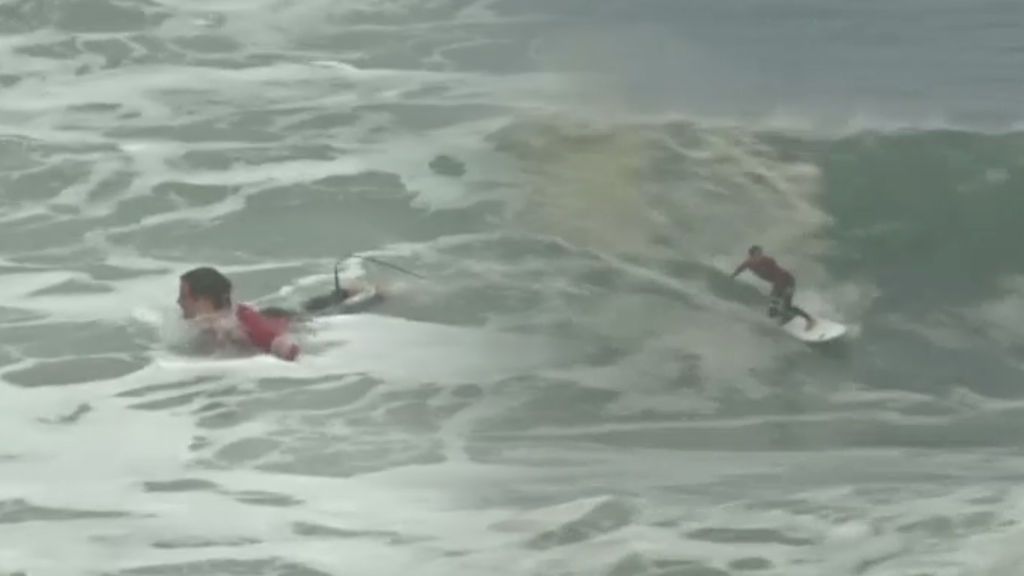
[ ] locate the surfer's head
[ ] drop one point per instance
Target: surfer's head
(755, 251)
(202, 291)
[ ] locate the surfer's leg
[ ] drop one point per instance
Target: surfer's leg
(778, 305)
(787, 295)
(799, 312)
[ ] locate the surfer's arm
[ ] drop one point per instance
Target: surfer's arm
(743, 266)
(269, 336)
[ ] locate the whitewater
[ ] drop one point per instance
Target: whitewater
(575, 386)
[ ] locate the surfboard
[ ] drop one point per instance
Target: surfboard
(823, 330)
(363, 299)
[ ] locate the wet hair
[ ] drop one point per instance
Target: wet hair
(207, 282)
(754, 248)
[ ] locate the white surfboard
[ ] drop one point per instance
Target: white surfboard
(366, 297)
(822, 331)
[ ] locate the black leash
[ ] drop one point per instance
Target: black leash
(386, 265)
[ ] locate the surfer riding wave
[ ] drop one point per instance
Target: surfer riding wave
(783, 285)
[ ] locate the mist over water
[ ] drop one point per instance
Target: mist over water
(577, 387)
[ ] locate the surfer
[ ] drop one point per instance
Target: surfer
(204, 296)
(783, 285)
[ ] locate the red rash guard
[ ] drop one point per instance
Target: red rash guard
(768, 269)
(268, 334)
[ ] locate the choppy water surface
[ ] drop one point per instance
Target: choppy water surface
(577, 388)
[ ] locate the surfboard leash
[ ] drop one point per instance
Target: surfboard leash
(392, 266)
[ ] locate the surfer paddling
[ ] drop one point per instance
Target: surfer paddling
(782, 281)
(204, 296)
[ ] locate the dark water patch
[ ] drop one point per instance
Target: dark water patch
(641, 565)
(224, 567)
(446, 165)
(104, 272)
(17, 153)
(352, 461)
(112, 186)
(247, 450)
(26, 152)
(108, 15)
(319, 121)
(98, 55)
(8, 356)
(88, 370)
(266, 499)
(95, 108)
(320, 530)
(73, 287)
(66, 49)
(181, 485)
(169, 239)
(237, 61)
(47, 232)
(443, 11)
(748, 536)
(68, 339)
(179, 543)
(80, 16)
(72, 417)
(9, 315)
(206, 44)
(751, 564)
(114, 51)
(44, 183)
(20, 512)
(197, 131)
(421, 117)
(225, 159)
(605, 517)
(195, 195)
(503, 55)
(159, 388)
